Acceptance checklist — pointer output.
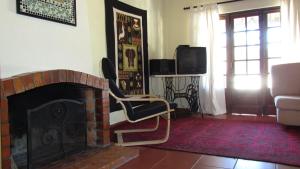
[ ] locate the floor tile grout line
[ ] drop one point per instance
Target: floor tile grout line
(274, 164)
(202, 155)
(159, 161)
(197, 161)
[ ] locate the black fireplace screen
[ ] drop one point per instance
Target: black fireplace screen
(55, 129)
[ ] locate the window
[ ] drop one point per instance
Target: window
(253, 45)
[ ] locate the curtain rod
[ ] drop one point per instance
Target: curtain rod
(219, 3)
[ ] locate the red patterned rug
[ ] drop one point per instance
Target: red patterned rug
(246, 139)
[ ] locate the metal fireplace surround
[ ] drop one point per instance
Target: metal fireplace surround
(97, 88)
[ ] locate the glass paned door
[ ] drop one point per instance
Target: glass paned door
(252, 48)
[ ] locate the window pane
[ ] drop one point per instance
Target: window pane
(253, 52)
(240, 67)
(240, 38)
(253, 67)
(223, 54)
(240, 53)
(272, 62)
(274, 50)
(252, 23)
(274, 35)
(223, 40)
(253, 37)
(222, 25)
(239, 24)
(250, 82)
(274, 19)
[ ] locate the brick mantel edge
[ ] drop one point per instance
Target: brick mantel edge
(24, 82)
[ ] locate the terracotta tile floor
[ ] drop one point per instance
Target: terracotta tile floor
(163, 159)
(96, 158)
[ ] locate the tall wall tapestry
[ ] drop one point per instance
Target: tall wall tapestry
(127, 46)
(62, 11)
(129, 52)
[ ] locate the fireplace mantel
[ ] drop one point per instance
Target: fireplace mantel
(28, 81)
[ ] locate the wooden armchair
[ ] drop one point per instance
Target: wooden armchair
(153, 109)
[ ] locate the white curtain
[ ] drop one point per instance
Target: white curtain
(290, 19)
(204, 32)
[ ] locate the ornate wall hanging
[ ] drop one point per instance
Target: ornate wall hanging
(62, 11)
(126, 29)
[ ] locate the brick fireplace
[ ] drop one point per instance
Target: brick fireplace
(93, 92)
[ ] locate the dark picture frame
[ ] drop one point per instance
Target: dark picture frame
(62, 12)
(110, 5)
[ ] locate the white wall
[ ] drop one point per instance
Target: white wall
(30, 44)
(175, 26)
(176, 20)
(96, 13)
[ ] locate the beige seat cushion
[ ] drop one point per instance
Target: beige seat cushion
(287, 102)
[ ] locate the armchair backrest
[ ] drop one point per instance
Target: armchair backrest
(110, 74)
(285, 79)
(108, 69)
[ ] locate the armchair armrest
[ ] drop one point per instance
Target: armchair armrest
(142, 96)
(138, 99)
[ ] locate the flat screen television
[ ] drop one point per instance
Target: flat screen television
(191, 60)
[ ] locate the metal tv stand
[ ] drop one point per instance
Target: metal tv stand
(190, 92)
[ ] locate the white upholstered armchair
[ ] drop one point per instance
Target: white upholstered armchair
(286, 93)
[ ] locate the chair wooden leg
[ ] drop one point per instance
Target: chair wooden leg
(140, 130)
(136, 143)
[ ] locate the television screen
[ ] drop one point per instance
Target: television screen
(191, 60)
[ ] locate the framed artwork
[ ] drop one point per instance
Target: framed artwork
(62, 11)
(126, 33)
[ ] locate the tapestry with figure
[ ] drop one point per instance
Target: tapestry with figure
(129, 54)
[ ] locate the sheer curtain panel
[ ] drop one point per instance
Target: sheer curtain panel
(204, 32)
(290, 18)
